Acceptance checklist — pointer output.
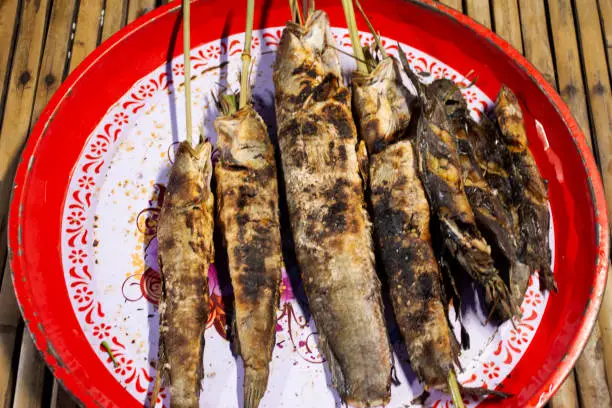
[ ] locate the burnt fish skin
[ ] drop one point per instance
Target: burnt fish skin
(329, 221)
(533, 197)
(441, 173)
(185, 251)
(247, 205)
(401, 222)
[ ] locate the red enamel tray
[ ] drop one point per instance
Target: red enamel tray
(82, 228)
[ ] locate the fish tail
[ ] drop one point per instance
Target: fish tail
(255, 383)
(498, 295)
(547, 279)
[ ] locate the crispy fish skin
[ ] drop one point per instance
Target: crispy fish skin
(330, 225)
(185, 251)
(533, 207)
(441, 173)
(401, 223)
(247, 204)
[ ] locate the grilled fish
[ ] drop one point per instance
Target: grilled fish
(492, 216)
(533, 192)
(441, 172)
(185, 250)
(329, 221)
(247, 203)
(401, 223)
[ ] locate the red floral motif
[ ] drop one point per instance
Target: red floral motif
(86, 182)
(213, 51)
(145, 91)
(272, 39)
(161, 396)
(533, 297)
(519, 336)
(83, 295)
(490, 370)
(99, 147)
(440, 72)
(255, 42)
(101, 331)
(178, 69)
(470, 96)
(76, 217)
(80, 202)
(77, 256)
(235, 47)
(120, 119)
(124, 365)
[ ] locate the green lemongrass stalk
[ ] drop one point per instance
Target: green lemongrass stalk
(349, 14)
(246, 56)
(455, 391)
(187, 64)
(371, 27)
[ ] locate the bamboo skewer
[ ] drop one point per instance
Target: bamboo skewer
(246, 56)
(187, 64)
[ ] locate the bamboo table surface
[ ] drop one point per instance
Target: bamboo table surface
(42, 41)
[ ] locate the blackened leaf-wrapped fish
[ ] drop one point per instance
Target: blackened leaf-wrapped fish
(329, 221)
(401, 222)
(185, 248)
(492, 216)
(247, 202)
(441, 172)
(496, 164)
(533, 207)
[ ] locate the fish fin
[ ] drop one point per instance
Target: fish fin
(498, 296)
(255, 383)
(519, 281)
(334, 367)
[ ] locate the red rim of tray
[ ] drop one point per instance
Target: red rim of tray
(34, 209)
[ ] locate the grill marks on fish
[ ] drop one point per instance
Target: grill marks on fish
(247, 204)
(401, 223)
(441, 171)
(532, 195)
(185, 236)
(330, 226)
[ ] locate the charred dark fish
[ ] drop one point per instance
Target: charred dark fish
(492, 216)
(186, 251)
(329, 221)
(247, 204)
(533, 195)
(401, 222)
(441, 172)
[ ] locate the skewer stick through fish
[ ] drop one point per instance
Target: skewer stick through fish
(247, 203)
(185, 251)
(329, 221)
(401, 222)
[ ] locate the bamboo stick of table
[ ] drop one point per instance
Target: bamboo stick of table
(8, 22)
(507, 22)
(138, 8)
(115, 16)
(87, 31)
(455, 4)
(480, 11)
(605, 7)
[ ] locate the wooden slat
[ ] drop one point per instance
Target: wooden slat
(60, 398)
(590, 376)
(18, 108)
(55, 54)
(479, 10)
(605, 325)
(87, 31)
(9, 323)
(535, 37)
(139, 8)
(8, 25)
(30, 375)
(605, 6)
(508, 22)
(567, 395)
(455, 4)
(115, 14)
